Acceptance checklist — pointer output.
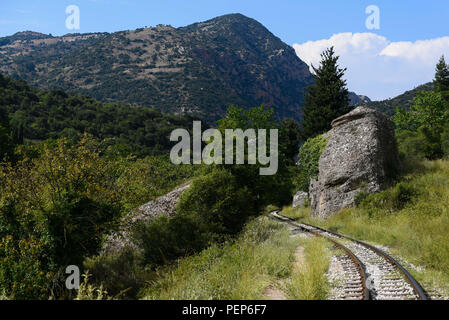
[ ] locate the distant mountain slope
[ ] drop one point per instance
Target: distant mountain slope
(404, 100)
(199, 69)
(40, 115)
(355, 99)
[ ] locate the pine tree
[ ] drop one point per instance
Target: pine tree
(327, 98)
(442, 78)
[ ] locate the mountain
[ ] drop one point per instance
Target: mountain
(355, 99)
(198, 69)
(404, 100)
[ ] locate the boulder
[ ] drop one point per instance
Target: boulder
(300, 199)
(360, 155)
(165, 204)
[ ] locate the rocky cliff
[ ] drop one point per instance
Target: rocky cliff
(360, 155)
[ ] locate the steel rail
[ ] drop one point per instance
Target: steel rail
(417, 288)
(352, 256)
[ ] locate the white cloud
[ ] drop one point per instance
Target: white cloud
(376, 66)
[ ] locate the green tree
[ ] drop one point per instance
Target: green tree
(6, 141)
(290, 138)
(442, 78)
(248, 175)
(424, 128)
(428, 116)
(326, 99)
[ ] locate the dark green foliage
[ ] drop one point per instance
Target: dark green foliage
(309, 156)
(21, 274)
(217, 204)
(326, 99)
(427, 120)
(393, 199)
(213, 208)
(76, 230)
(6, 140)
(120, 273)
(411, 144)
(37, 115)
(248, 175)
(164, 239)
(442, 78)
(423, 129)
(290, 138)
(403, 101)
(64, 197)
(219, 201)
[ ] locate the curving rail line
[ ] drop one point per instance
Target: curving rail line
(360, 292)
(418, 291)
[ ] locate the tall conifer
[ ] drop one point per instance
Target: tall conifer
(327, 98)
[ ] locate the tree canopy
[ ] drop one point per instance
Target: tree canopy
(327, 98)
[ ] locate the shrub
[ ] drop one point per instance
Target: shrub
(393, 199)
(121, 273)
(21, 273)
(213, 208)
(219, 201)
(309, 156)
(411, 144)
(163, 240)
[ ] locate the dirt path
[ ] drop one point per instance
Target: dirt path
(273, 292)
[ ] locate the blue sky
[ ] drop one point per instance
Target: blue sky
(294, 21)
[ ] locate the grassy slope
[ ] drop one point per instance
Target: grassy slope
(235, 270)
(308, 281)
(416, 229)
(263, 255)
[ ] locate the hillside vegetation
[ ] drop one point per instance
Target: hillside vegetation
(198, 69)
(61, 197)
(404, 100)
(36, 115)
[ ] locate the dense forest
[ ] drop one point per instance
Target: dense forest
(36, 115)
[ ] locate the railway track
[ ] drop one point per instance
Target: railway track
(370, 273)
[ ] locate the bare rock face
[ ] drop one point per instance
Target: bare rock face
(165, 204)
(300, 199)
(360, 155)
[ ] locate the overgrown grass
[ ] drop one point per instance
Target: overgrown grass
(299, 213)
(309, 281)
(242, 269)
(411, 218)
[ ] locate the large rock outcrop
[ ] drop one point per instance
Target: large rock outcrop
(165, 204)
(360, 155)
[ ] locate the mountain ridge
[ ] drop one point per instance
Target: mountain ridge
(198, 69)
(404, 100)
